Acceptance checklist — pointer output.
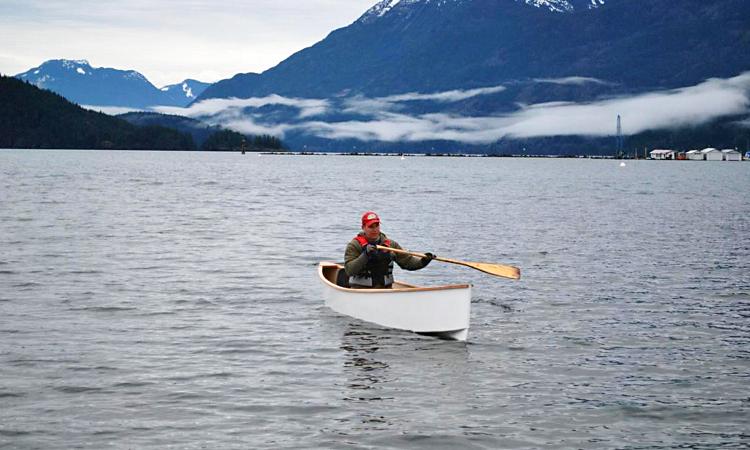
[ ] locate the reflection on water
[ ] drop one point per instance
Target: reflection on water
(381, 382)
(365, 373)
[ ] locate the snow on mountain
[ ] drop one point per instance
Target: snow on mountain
(564, 5)
(77, 81)
(385, 6)
(380, 9)
(188, 90)
(552, 5)
(75, 64)
(49, 72)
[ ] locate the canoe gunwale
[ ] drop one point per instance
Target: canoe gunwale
(408, 287)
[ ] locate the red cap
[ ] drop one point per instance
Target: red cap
(369, 218)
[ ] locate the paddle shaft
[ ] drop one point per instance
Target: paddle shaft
(417, 254)
(499, 270)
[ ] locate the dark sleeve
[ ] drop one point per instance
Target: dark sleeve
(355, 259)
(406, 262)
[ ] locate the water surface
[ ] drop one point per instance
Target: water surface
(169, 300)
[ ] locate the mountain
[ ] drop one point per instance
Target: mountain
(182, 94)
(80, 83)
(505, 76)
(36, 118)
(437, 45)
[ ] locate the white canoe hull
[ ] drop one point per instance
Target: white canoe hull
(442, 310)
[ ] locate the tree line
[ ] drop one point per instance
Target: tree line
(228, 140)
(31, 117)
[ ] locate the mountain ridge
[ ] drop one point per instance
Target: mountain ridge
(81, 83)
(383, 7)
(428, 46)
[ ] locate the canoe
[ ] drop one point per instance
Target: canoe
(441, 311)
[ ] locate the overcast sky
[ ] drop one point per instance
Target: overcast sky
(168, 40)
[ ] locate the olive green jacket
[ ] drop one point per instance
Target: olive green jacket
(355, 259)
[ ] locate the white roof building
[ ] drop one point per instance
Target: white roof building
(731, 154)
(662, 154)
(712, 154)
(694, 155)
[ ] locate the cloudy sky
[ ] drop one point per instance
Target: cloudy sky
(168, 40)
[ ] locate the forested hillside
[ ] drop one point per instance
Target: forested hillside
(35, 118)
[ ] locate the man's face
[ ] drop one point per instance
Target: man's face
(372, 231)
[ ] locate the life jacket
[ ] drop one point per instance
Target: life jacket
(364, 242)
(379, 269)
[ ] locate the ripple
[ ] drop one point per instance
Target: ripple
(78, 389)
(12, 394)
(14, 433)
(105, 309)
(493, 302)
(132, 384)
(202, 376)
(27, 284)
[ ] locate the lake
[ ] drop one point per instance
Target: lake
(170, 300)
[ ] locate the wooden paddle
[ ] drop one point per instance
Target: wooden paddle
(498, 270)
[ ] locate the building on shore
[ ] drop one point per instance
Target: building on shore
(731, 154)
(712, 154)
(694, 155)
(662, 154)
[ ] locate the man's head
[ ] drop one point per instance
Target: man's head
(371, 225)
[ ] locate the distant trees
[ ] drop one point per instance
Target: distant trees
(224, 140)
(207, 137)
(35, 118)
(268, 141)
(228, 140)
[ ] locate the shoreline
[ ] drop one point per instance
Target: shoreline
(470, 155)
(439, 155)
(399, 155)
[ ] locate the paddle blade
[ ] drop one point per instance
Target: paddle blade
(498, 270)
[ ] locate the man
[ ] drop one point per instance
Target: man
(368, 267)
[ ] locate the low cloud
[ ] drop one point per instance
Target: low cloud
(576, 81)
(374, 106)
(111, 110)
(230, 107)
(386, 118)
(744, 123)
(664, 109)
(444, 97)
(247, 125)
(693, 105)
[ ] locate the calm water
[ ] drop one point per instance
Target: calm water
(169, 300)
